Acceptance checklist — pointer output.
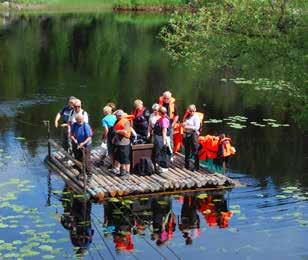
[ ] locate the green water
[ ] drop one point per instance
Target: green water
(112, 57)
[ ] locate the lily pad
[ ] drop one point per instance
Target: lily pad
(202, 196)
(46, 248)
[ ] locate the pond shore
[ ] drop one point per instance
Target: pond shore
(9, 6)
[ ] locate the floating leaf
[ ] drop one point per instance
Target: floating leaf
(48, 256)
(281, 197)
(235, 207)
(302, 222)
(236, 211)
(114, 200)
(202, 196)
(20, 138)
(46, 248)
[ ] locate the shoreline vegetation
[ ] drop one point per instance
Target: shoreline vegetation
(152, 6)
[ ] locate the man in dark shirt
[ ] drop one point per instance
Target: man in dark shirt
(64, 115)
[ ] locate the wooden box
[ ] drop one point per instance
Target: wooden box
(140, 150)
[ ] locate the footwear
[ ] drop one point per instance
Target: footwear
(114, 171)
(124, 174)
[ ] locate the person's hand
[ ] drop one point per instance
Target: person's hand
(64, 125)
(81, 145)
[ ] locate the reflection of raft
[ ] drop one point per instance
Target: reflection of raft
(104, 184)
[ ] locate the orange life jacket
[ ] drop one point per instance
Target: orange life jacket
(121, 125)
(227, 149)
(209, 147)
(171, 106)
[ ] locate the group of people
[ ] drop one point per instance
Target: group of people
(161, 127)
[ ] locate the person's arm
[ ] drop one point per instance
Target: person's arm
(82, 144)
(105, 133)
(86, 117)
(58, 116)
(164, 132)
(73, 136)
(88, 134)
(176, 116)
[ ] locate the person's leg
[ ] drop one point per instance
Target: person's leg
(65, 139)
(88, 160)
(187, 151)
(195, 149)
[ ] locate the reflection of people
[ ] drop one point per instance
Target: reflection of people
(190, 221)
(64, 115)
(77, 219)
(119, 219)
(215, 210)
(164, 220)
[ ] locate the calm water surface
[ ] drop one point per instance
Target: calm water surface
(108, 57)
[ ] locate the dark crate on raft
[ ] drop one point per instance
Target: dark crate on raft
(139, 151)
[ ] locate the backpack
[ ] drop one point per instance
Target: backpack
(145, 167)
(164, 157)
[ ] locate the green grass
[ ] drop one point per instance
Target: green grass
(99, 3)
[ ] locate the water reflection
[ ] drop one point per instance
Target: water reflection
(76, 218)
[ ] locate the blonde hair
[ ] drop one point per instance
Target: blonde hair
(77, 102)
(163, 110)
(107, 110)
(112, 105)
(192, 108)
(156, 107)
(167, 94)
(138, 102)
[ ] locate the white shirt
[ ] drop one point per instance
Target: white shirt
(72, 118)
(193, 122)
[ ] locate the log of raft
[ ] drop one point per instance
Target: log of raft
(109, 185)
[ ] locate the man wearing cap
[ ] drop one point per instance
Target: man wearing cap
(121, 140)
(64, 115)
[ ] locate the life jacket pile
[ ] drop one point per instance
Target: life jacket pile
(212, 147)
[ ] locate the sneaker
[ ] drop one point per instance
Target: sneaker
(164, 170)
(172, 159)
(114, 171)
(124, 174)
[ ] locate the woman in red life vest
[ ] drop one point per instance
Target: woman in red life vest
(191, 126)
(121, 140)
(141, 121)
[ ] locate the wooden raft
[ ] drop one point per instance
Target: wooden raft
(105, 184)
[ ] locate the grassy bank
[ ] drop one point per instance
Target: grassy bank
(94, 5)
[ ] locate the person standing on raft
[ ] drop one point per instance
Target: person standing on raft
(64, 115)
(191, 126)
(121, 141)
(81, 135)
(141, 120)
(168, 102)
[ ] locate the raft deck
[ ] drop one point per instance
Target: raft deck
(105, 184)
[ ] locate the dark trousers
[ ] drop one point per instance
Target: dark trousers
(191, 146)
(78, 154)
(66, 142)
